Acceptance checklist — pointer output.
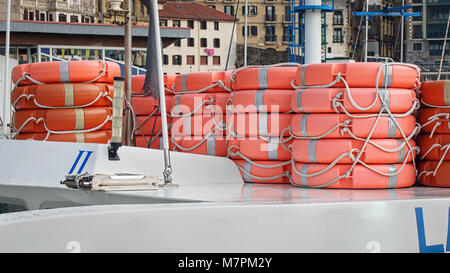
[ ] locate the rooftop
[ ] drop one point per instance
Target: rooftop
(89, 29)
(191, 10)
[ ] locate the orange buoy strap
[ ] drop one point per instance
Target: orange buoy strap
(210, 140)
(272, 150)
(393, 173)
(302, 79)
(185, 89)
(248, 175)
(209, 101)
(78, 125)
(30, 96)
(427, 173)
(434, 146)
(63, 74)
(262, 73)
(434, 106)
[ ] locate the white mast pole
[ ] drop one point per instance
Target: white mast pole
(245, 32)
(162, 98)
(313, 33)
(367, 32)
(6, 72)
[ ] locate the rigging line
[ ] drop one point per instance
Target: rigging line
(154, 125)
(232, 34)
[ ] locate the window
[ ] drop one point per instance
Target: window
(190, 59)
(270, 33)
(229, 10)
(216, 60)
(337, 35)
(216, 25)
(436, 48)
(190, 42)
(165, 59)
(25, 14)
(338, 19)
(417, 31)
(203, 60)
(436, 30)
(42, 17)
(286, 34)
(270, 13)
(203, 42)
(176, 59)
(31, 15)
(203, 24)
(212, 6)
(163, 23)
(50, 17)
(287, 13)
(251, 31)
(417, 46)
(329, 49)
(216, 42)
(62, 17)
(190, 24)
(177, 43)
(252, 10)
(176, 23)
(73, 18)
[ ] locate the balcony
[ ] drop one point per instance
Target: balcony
(270, 39)
(270, 18)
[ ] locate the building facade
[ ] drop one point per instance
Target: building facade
(384, 32)
(212, 45)
(425, 38)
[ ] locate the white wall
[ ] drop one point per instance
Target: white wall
(224, 34)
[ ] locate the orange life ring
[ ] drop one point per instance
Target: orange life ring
(259, 149)
(256, 174)
(436, 120)
(328, 150)
(440, 179)
(359, 74)
(198, 104)
(265, 100)
(360, 178)
(61, 72)
(216, 81)
(137, 84)
(144, 125)
(213, 145)
(261, 124)
(61, 95)
(141, 141)
(255, 78)
(146, 105)
(198, 125)
(433, 147)
(101, 136)
(321, 100)
(339, 126)
(436, 92)
(71, 119)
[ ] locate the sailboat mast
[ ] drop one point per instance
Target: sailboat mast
(162, 97)
(443, 48)
(6, 72)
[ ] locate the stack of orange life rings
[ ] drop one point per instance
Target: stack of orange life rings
(63, 101)
(354, 128)
(198, 112)
(434, 140)
(147, 114)
(260, 116)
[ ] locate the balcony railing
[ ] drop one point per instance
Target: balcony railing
(271, 18)
(271, 38)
